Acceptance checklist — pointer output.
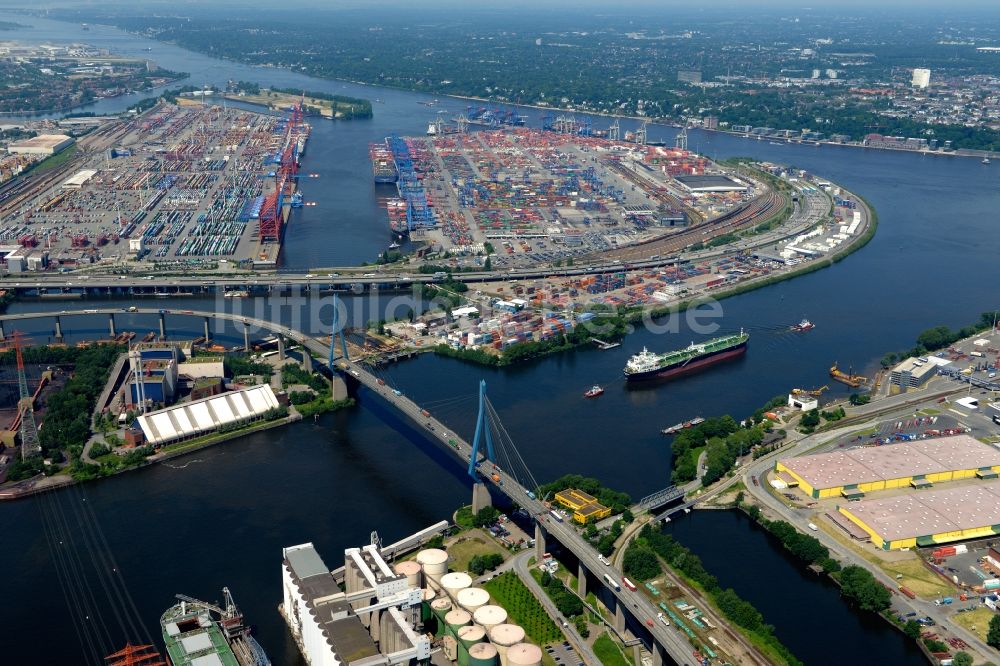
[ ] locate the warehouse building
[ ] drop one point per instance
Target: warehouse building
(929, 518)
(710, 183)
(584, 506)
(370, 621)
(920, 464)
(43, 144)
(198, 417)
(912, 373)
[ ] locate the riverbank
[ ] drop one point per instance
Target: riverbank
(626, 321)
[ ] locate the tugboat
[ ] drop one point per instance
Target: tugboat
(594, 391)
(803, 326)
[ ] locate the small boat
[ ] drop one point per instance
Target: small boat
(393, 246)
(986, 160)
(803, 326)
(594, 391)
(677, 427)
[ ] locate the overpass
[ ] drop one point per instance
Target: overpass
(665, 641)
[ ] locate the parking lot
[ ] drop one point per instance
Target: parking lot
(563, 654)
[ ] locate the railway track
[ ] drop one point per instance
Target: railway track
(753, 212)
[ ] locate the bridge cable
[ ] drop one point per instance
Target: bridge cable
(507, 444)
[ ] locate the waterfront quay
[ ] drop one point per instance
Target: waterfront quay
(178, 187)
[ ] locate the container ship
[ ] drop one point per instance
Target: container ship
(646, 364)
(383, 165)
(196, 632)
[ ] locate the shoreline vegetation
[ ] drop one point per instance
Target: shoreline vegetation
(623, 321)
(67, 429)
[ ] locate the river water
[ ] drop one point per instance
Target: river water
(220, 517)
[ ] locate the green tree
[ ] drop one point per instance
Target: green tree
(993, 636)
(860, 587)
(961, 659)
(640, 562)
(912, 629)
(488, 264)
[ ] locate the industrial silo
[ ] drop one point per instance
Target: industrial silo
(429, 596)
(473, 598)
(434, 562)
(456, 619)
(468, 637)
(483, 654)
(412, 571)
(455, 581)
(440, 607)
(504, 636)
(524, 654)
(490, 616)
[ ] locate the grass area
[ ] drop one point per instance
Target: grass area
(470, 545)
(929, 411)
(463, 517)
(57, 160)
(200, 442)
(523, 608)
(918, 578)
(608, 651)
(977, 621)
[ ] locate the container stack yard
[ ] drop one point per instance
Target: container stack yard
(528, 191)
(184, 186)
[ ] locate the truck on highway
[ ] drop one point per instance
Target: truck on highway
(612, 582)
(424, 412)
(604, 560)
(629, 584)
(555, 514)
(440, 275)
(813, 527)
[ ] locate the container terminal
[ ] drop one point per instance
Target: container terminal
(517, 186)
(178, 186)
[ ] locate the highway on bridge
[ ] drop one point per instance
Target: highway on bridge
(636, 603)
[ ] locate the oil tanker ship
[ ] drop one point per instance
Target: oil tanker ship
(646, 364)
(196, 632)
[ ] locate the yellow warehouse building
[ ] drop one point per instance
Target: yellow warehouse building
(929, 518)
(584, 506)
(921, 464)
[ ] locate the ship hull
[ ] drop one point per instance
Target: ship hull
(679, 369)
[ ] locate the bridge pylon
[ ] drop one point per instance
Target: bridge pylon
(483, 433)
(334, 328)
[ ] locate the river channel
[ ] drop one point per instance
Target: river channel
(220, 516)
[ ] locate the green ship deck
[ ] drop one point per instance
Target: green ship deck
(193, 638)
(693, 350)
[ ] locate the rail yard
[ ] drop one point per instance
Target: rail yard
(179, 186)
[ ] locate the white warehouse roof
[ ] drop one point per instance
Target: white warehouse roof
(193, 418)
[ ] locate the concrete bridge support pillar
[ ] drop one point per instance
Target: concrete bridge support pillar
(307, 360)
(3, 336)
(637, 653)
(112, 333)
(658, 654)
(338, 387)
(59, 335)
(163, 326)
(246, 338)
(281, 347)
(539, 543)
(480, 497)
(619, 617)
(581, 581)
(207, 336)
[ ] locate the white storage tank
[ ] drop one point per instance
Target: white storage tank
(456, 619)
(440, 607)
(412, 571)
(469, 636)
(504, 636)
(489, 616)
(473, 598)
(434, 562)
(524, 654)
(454, 582)
(482, 654)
